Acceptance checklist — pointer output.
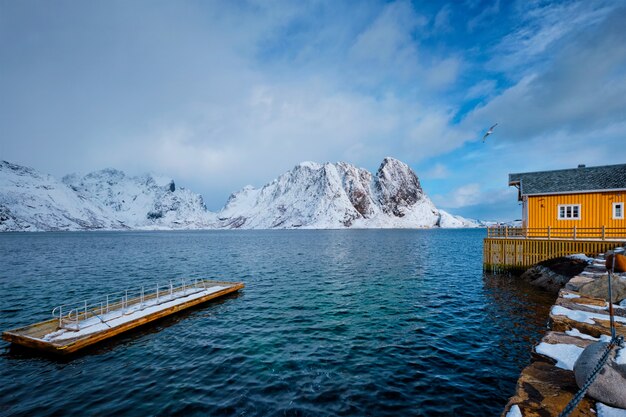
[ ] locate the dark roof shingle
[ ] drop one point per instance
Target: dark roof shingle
(608, 177)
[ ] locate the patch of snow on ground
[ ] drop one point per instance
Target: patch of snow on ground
(581, 256)
(564, 354)
(620, 358)
(606, 411)
(514, 411)
(604, 307)
(577, 333)
(570, 295)
(583, 316)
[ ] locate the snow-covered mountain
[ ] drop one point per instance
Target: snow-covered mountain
(146, 201)
(311, 195)
(105, 199)
(322, 196)
(32, 201)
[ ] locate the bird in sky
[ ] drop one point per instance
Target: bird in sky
(489, 132)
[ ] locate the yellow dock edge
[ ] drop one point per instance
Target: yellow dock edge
(73, 345)
(515, 255)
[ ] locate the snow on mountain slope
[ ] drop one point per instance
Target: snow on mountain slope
(448, 220)
(32, 201)
(145, 202)
(311, 195)
(107, 199)
(321, 196)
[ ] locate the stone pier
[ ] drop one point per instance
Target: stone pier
(578, 318)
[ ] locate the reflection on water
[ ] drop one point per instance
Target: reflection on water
(350, 322)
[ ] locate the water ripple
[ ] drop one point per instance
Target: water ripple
(352, 322)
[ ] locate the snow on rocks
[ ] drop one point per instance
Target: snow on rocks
(570, 295)
(579, 334)
(609, 387)
(582, 316)
(582, 257)
(514, 411)
(607, 411)
(578, 321)
(620, 357)
(564, 354)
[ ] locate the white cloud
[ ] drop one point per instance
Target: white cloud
(465, 195)
(581, 90)
(443, 73)
(439, 171)
(473, 194)
(387, 44)
(276, 126)
(441, 22)
(228, 93)
(543, 25)
(483, 88)
(484, 16)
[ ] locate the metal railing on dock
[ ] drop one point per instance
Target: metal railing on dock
(569, 233)
(74, 316)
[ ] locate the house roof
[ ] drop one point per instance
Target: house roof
(563, 181)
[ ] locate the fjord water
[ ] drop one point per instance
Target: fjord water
(334, 322)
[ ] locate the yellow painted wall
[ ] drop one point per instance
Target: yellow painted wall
(596, 210)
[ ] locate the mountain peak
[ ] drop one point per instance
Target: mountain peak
(397, 186)
(338, 195)
(309, 164)
(18, 169)
(311, 195)
(391, 160)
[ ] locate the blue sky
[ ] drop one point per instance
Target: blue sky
(222, 94)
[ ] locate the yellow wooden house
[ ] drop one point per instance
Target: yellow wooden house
(567, 211)
(584, 198)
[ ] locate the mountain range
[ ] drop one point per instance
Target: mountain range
(311, 196)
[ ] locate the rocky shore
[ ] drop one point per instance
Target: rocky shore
(578, 318)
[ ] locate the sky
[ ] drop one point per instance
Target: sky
(221, 94)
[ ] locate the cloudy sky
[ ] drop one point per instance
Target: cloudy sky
(222, 94)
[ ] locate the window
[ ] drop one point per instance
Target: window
(569, 212)
(618, 210)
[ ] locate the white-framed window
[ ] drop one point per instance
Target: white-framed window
(569, 211)
(618, 210)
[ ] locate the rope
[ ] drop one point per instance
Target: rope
(571, 406)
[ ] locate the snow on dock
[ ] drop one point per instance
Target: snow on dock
(78, 325)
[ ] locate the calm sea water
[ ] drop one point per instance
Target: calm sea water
(347, 322)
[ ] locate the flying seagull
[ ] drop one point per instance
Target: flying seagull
(489, 132)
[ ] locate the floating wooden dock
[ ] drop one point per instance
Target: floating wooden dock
(78, 325)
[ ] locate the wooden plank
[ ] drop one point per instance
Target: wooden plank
(26, 336)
